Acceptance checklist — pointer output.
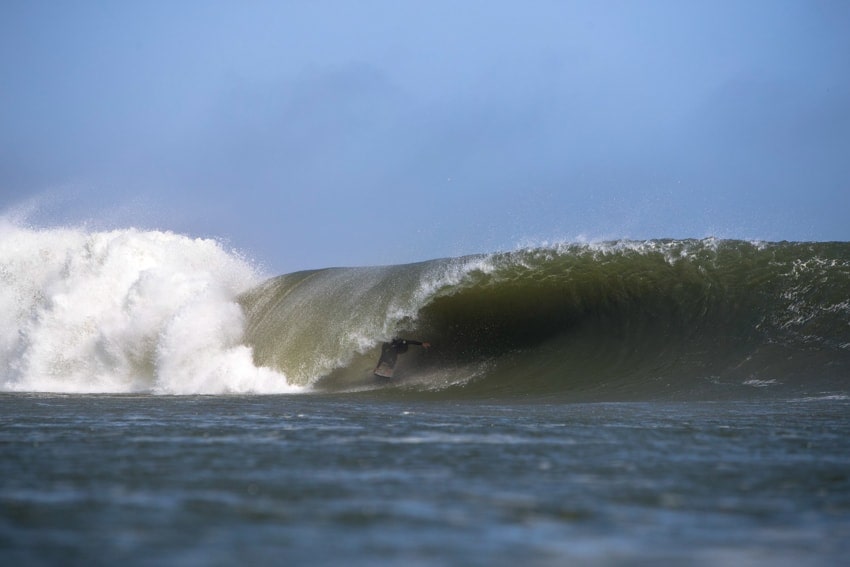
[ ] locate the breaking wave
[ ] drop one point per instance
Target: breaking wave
(123, 311)
(149, 311)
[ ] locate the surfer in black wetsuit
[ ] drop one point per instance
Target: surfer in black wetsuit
(390, 352)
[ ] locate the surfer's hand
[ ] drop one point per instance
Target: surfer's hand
(426, 345)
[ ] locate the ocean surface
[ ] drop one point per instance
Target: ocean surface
(355, 480)
(673, 401)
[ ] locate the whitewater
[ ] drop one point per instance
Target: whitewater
(124, 311)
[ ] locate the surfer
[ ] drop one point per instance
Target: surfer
(389, 353)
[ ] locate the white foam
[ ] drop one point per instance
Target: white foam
(123, 311)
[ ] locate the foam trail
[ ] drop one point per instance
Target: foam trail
(124, 311)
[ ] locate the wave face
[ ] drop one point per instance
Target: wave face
(147, 311)
(123, 311)
(676, 318)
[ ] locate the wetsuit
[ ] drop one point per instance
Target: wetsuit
(391, 350)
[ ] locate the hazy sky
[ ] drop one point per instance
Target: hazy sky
(318, 133)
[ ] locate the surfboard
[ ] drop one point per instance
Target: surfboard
(384, 370)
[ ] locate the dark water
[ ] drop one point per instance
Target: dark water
(686, 319)
(369, 479)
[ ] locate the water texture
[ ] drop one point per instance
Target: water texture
(353, 480)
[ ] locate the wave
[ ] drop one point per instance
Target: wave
(678, 318)
(150, 311)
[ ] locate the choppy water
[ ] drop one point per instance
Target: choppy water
(360, 479)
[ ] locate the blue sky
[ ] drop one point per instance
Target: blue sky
(311, 134)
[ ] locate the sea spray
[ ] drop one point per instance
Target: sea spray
(123, 311)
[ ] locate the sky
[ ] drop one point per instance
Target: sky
(309, 134)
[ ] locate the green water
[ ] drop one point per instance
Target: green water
(684, 319)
